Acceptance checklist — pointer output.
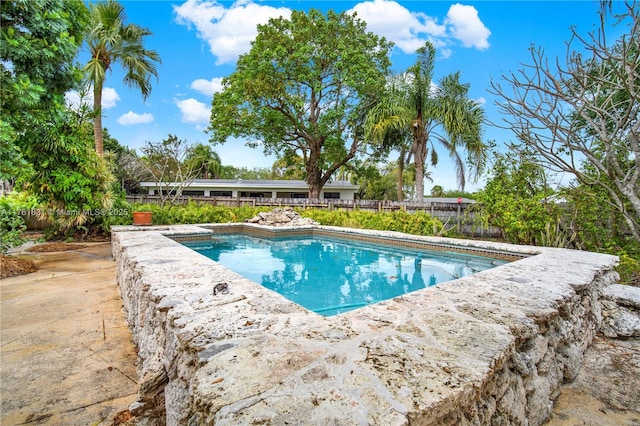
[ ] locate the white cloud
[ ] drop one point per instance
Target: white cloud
(466, 26)
(481, 100)
(110, 98)
(193, 111)
(132, 118)
(408, 30)
(73, 99)
(229, 32)
(207, 87)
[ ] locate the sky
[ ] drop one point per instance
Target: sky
(199, 42)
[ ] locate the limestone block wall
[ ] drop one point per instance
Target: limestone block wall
(492, 348)
(621, 311)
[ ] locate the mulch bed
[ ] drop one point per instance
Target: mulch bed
(55, 246)
(12, 266)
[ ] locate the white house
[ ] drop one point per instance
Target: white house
(238, 188)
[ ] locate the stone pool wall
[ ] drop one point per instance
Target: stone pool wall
(492, 348)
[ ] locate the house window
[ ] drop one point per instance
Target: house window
(332, 195)
(193, 193)
(253, 194)
(221, 193)
(299, 195)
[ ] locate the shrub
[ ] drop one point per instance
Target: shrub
(12, 226)
(418, 223)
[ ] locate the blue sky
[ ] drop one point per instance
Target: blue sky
(200, 40)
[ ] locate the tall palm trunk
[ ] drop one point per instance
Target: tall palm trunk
(400, 179)
(419, 154)
(97, 119)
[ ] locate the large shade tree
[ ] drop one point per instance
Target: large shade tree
(38, 43)
(110, 41)
(442, 115)
(303, 89)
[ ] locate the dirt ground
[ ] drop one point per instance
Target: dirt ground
(12, 266)
(606, 392)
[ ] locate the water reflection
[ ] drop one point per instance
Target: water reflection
(333, 276)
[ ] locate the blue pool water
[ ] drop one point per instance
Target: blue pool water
(332, 276)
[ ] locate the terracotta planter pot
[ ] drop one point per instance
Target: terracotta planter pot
(142, 218)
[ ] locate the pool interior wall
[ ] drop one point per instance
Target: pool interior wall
(349, 273)
(492, 348)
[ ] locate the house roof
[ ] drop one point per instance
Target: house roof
(248, 183)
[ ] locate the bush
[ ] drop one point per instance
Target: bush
(12, 226)
(418, 223)
(193, 213)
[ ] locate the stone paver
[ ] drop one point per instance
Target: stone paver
(67, 357)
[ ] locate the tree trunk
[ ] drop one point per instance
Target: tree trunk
(419, 155)
(314, 174)
(97, 120)
(400, 181)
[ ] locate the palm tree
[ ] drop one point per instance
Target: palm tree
(202, 158)
(110, 41)
(412, 108)
(437, 191)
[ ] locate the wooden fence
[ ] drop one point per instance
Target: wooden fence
(449, 212)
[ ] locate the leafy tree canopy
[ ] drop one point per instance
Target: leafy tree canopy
(517, 199)
(303, 89)
(38, 44)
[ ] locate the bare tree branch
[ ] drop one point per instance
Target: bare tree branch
(582, 117)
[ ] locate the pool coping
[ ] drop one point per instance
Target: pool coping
(495, 345)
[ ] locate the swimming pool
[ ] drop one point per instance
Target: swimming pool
(441, 355)
(330, 276)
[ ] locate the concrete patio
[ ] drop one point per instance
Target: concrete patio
(67, 354)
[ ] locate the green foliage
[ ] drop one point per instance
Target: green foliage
(303, 89)
(193, 212)
(456, 193)
(411, 110)
(38, 42)
(170, 165)
(578, 114)
(125, 165)
(73, 185)
(517, 199)
(629, 269)
(375, 183)
(256, 173)
(110, 41)
(205, 161)
(418, 223)
(118, 214)
(11, 226)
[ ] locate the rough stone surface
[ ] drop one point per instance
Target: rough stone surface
(621, 311)
(606, 389)
(493, 348)
(286, 217)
